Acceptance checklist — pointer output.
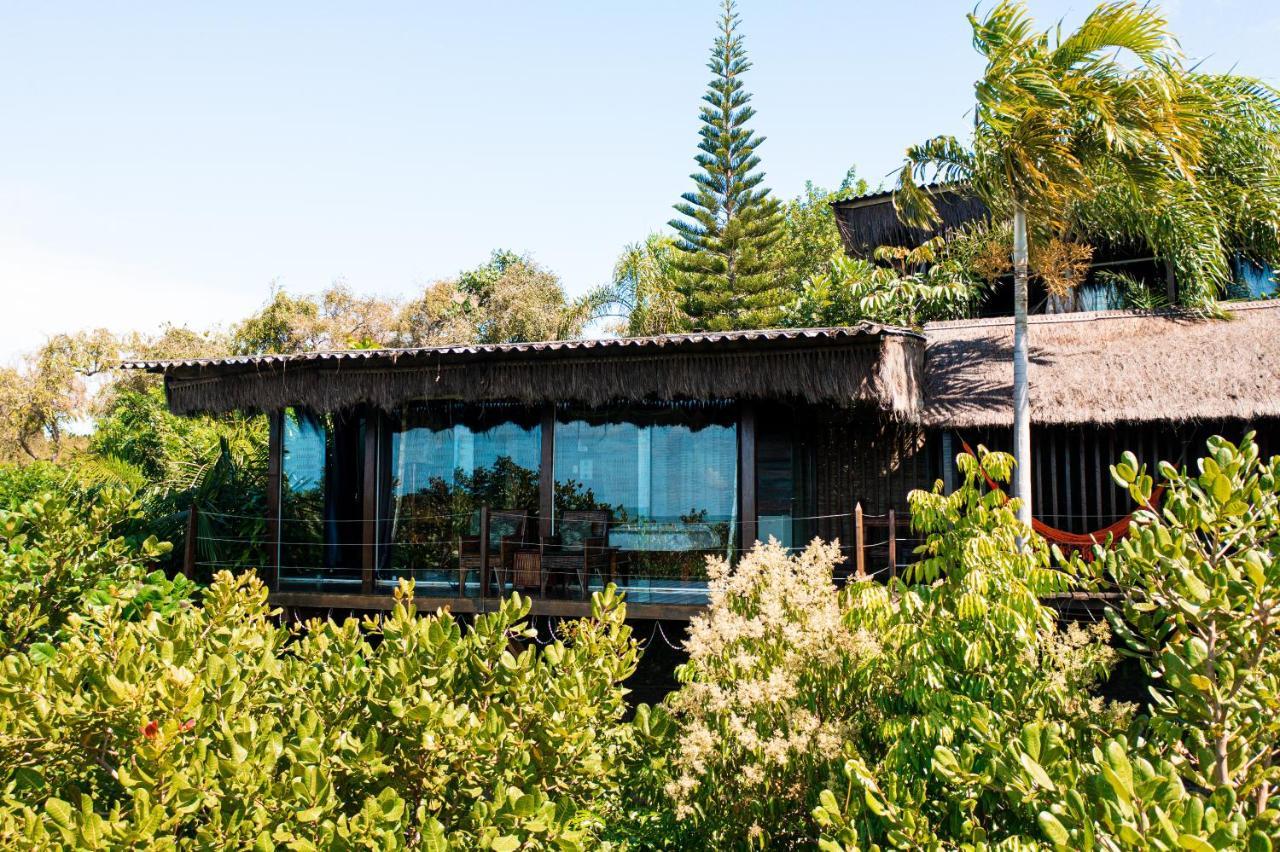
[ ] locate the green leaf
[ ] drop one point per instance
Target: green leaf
(1036, 771)
(506, 843)
(1192, 843)
(1053, 829)
(59, 811)
(42, 653)
(1221, 488)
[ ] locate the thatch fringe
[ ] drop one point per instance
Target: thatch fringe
(884, 373)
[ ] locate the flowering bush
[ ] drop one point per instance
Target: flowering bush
(764, 709)
(873, 692)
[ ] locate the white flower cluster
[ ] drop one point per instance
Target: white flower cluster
(766, 661)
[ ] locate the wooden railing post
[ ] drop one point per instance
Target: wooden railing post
(189, 550)
(893, 544)
(484, 553)
(859, 537)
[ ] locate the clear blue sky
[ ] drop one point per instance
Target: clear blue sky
(167, 161)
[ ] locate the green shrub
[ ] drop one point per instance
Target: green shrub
(57, 549)
(22, 482)
(792, 688)
(213, 727)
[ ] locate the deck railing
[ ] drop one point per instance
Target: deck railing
(876, 546)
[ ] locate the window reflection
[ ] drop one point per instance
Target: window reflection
(321, 497)
(444, 462)
(668, 476)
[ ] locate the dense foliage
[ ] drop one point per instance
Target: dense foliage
(955, 709)
(904, 288)
(55, 550)
(1203, 610)
(214, 727)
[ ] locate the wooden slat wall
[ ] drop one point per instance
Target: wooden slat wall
(1071, 477)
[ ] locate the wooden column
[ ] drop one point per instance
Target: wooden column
(270, 572)
(747, 473)
(371, 463)
(189, 549)
(546, 472)
(893, 544)
(859, 542)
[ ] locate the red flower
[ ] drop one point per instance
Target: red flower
(188, 725)
(150, 729)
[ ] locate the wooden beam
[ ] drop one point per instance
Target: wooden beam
(546, 472)
(747, 473)
(275, 464)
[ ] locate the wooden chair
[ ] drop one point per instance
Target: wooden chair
(579, 549)
(507, 531)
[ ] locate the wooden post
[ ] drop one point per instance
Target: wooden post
(893, 544)
(275, 462)
(484, 555)
(189, 551)
(859, 536)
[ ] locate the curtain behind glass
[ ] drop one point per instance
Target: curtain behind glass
(667, 475)
(446, 460)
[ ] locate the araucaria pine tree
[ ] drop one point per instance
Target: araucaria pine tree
(728, 276)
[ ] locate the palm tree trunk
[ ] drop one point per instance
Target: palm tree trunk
(1021, 392)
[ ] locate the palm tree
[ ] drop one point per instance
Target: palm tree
(1053, 113)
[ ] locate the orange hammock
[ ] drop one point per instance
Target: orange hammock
(1068, 541)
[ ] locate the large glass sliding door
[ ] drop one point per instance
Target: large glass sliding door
(442, 462)
(667, 475)
(321, 498)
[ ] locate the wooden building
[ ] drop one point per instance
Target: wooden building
(634, 459)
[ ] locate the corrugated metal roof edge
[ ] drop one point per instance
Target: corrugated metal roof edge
(867, 330)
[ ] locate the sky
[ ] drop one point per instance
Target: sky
(171, 162)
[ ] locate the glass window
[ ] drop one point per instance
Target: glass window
(321, 497)
(668, 476)
(1251, 280)
(444, 462)
(785, 484)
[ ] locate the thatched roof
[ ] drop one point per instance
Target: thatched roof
(1108, 367)
(863, 364)
(870, 221)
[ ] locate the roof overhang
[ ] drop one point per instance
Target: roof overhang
(866, 364)
(1108, 367)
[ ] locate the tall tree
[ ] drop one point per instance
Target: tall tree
(1053, 114)
(729, 276)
